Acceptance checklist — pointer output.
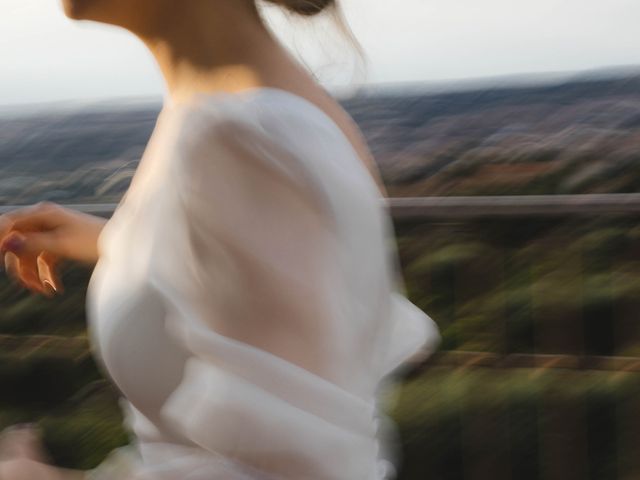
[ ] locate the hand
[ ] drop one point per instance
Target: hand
(23, 441)
(27, 469)
(34, 239)
(23, 457)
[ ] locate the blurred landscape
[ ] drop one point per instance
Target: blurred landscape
(578, 135)
(538, 373)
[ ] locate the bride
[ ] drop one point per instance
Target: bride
(243, 298)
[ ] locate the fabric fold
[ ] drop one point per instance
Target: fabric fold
(414, 334)
(216, 410)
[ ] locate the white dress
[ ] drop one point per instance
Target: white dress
(247, 301)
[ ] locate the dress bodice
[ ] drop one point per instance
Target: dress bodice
(247, 302)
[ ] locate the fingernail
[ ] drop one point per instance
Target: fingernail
(49, 286)
(14, 244)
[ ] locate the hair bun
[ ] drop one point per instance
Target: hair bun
(304, 7)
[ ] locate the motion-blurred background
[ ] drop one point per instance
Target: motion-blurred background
(513, 195)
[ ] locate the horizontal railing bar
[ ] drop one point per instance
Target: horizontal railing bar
(453, 207)
(462, 359)
(514, 205)
(93, 208)
(10, 342)
(26, 345)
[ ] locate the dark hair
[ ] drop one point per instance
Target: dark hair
(304, 7)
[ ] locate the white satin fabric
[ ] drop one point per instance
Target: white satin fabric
(247, 303)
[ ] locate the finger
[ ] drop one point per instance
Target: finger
(12, 242)
(48, 271)
(14, 272)
(28, 272)
(28, 248)
(11, 266)
(30, 243)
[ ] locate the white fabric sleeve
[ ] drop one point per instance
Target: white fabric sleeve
(257, 247)
(248, 258)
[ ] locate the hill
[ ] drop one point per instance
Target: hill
(574, 135)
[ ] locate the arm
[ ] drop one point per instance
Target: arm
(36, 238)
(27, 469)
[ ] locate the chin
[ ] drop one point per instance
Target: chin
(77, 9)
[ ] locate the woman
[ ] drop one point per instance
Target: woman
(243, 297)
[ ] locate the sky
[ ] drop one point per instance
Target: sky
(46, 57)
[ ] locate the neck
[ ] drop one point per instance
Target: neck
(215, 46)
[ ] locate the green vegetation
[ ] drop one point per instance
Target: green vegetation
(523, 286)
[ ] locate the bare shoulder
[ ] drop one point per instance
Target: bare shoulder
(208, 119)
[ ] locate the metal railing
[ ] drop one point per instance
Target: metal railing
(500, 206)
(452, 209)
